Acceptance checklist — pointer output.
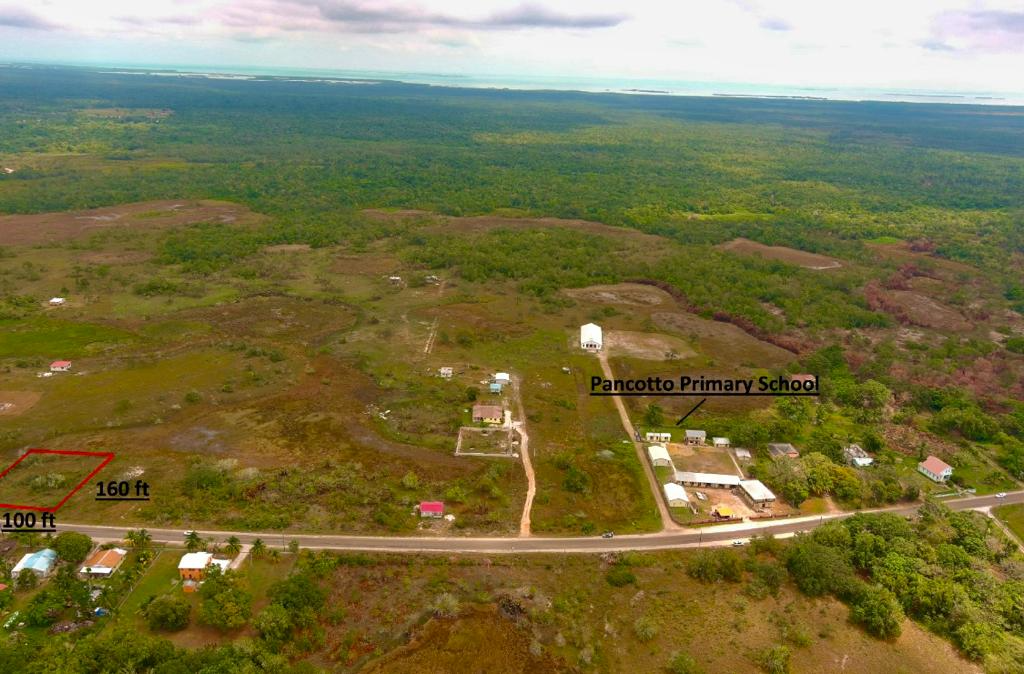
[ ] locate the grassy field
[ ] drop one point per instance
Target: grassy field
(1013, 516)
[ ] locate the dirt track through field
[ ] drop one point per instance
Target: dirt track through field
(524, 453)
(667, 523)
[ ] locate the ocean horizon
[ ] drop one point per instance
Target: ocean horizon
(643, 86)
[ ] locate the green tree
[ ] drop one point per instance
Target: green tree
(654, 415)
(170, 612)
(683, 663)
(138, 538)
(193, 541)
(878, 610)
(258, 549)
(274, 624)
(233, 546)
(224, 604)
(72, 546)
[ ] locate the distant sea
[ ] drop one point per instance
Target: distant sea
(662, 87)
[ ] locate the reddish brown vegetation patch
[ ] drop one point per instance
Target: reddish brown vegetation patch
(913, 308)
(51, 227)
(800, 258)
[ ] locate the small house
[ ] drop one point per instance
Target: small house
(856, 456)
(488, 414)
(659, 456)
(193, 565)
(40, 563)
(676, 496)
(60, 366)
(777, 450)
(502, 378)
(434, 509)
(446, 372)
(103, 562)
(57, 301)
(494, 387)
(658, 437)
(591, 337)
(756, 493)
(696, 438)
(395, 280)
(720, 442)
(742, 454)
(8, 170)
(935, 469)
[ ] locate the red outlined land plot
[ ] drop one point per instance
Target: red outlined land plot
(90, 461)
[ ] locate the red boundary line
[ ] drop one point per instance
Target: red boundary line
(107, 458)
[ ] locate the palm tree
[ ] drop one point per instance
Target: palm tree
(193, 541)
(139, 538)
(259, 548)
(233, 546)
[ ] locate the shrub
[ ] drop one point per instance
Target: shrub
(620, 576)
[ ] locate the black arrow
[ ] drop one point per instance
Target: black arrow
(691, 411)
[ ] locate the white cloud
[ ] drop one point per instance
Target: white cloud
(956, 44)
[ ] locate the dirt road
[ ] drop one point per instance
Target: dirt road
(667, 522)
(524, 453)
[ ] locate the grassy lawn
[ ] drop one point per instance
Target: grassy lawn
(1013, 516)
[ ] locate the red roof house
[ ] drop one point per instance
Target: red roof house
(431, 509)
(60, 366)
(935, 468)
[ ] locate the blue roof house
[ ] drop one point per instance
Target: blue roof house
(40, 563)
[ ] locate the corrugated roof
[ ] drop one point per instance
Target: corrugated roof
(707, 478)
(756, 490)
(675, 492)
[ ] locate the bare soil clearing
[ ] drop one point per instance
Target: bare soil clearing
(724, 341)
(13, 403)
(781, 253)
(928, 312)
(621, 293)
(646, 345)
(63, 226)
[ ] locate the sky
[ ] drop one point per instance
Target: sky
(942, 45)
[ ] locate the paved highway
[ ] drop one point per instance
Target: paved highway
(689, 538)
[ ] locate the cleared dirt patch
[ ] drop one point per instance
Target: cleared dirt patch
(646, 345)
(928, 312)
(782, 253)
(633, 294)
(724, 342)
(13, 403)
(50, 227)
(701, 459)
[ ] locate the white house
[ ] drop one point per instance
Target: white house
(658, 437)
(60, 366)
(742, 453)
(445, 372)
(57, 301)
(659, 456)
(676, 496)
(935, 468)
(502, 378)
(720, 442)
(591, 337)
